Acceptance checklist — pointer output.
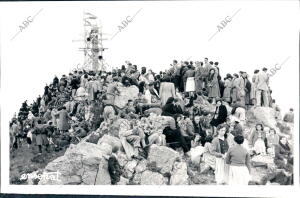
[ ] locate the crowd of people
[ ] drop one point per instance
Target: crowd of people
(169, 110)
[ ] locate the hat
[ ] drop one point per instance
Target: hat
(229, 76)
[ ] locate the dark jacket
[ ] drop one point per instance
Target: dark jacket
(114, 170)
(222, 115)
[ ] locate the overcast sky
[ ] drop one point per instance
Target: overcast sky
(261, 34)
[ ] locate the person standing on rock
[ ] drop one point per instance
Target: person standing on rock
(262, 88)
(63, 124)
(234, 89)
(189, 80)
(167, 90)
(219, 150)
(241, 88)
(199, 78)
(238, 160)
(228, 87)
(213, 85)
(254, 88)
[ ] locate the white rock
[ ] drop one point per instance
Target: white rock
(126, 93)
(163, 157)
(103, 177)
(141, 167)
(79, 163)
(123, 181)
(131, 165)
(152, 178)
(266, 115)
(112, 141)
(179, 174)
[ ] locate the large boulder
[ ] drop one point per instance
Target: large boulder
(112, 141)
(130, 166)
(141, 167)
(163, 157)
(126, 93)
(266, 115)
(122, 159)
(106, 149)
(103, 177)
(79, 164)
(152, 178)
(179, 174)
(136, 180)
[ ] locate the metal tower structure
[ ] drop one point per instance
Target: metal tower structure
(93, 44)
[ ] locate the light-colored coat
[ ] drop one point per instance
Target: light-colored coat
(253, 87)
(262, 81)
(63, 120)
(227, 90)
(167, 90)
(214, 90)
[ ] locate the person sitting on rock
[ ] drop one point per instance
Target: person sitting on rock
(257, 139)
(236, 128)
(141, 103)
(171, 109)
(272, 140)
(239, 111)
(283, 154)
(130, 139)
(289, 117)
(198, 129)
(173, 136)
(186, 128)
(114, 167)
(130, 109)
(207, 157)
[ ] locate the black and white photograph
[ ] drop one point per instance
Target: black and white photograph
(195, 98)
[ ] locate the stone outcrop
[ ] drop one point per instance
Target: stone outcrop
(112, 141)
(126, 93)
(152, 178)
(80, 162)
(103, 177)
(265, 115)
(179, 174)
(163, 157)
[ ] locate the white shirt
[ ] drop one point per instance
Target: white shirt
(148, 96)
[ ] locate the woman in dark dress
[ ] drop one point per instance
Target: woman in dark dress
(198, 130)
(219, 116)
